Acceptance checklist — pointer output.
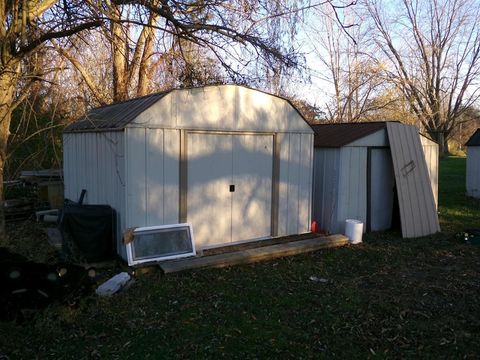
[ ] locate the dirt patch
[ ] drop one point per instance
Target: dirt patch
(28, 238)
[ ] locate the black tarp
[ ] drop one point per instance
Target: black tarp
(27, 285)
(88, 232)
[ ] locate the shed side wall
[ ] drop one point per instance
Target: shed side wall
(295, 183)
(473, 171)
(96, 162)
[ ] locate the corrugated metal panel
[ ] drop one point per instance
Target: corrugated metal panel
(155, 177)
(473, 171)
(352, 193)
(430, 150)
(474, 139)
(338, 135)
(136, 177)
(171, 176)
(417, 206)
(284, 144)
(325, 190)
(293, 180)
(295, 183)
(305, 184)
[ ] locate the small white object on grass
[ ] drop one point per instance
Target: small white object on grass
(316, 279)
(114, 284)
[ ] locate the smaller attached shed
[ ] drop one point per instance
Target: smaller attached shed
(378, 173)
(473, 165)
(234, 162)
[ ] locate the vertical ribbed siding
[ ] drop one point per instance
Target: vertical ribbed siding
(352, 193)
(152, 176)
(95, 161)
(417, 205)
(430, 150)
(295, 183)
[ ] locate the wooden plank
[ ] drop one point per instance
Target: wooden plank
(253, 244)
(418, 213)
(254, 255)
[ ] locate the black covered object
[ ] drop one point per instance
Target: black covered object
(88, 232)
(27, 285)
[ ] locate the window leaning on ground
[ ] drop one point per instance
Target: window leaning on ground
(156, 243)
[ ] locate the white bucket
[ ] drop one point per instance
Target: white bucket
(354, 230)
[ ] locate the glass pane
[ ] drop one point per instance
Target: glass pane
(159, 243)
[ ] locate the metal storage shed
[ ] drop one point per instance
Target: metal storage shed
(234, 162)
(358, 168)
(473, 165)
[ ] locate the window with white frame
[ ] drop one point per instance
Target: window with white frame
(156, 243)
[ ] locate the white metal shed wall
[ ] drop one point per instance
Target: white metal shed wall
(295, 183)
(352, 193)
(152, 164)
(228, 109)
(473, 171)
(95, 161)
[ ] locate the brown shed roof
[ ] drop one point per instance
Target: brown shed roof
(341, 134)
(474, 139)
(115, 116)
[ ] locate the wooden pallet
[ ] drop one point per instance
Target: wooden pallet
(254, 255)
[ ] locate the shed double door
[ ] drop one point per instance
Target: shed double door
(229, 187)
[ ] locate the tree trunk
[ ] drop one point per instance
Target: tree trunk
(7, 92)
(441, 137)
(119, 44)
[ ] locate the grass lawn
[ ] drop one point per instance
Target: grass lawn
(385, 298)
